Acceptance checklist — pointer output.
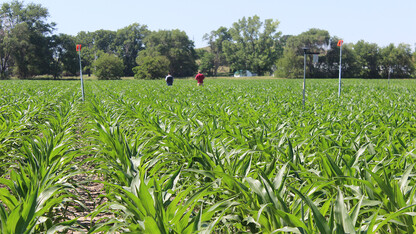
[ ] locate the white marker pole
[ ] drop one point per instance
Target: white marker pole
(340, 42)
(80, 72)
(304, 75)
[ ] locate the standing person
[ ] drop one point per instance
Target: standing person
(169, 79)
(200, 78)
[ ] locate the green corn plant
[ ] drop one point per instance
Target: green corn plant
(35, 211)
(348, 166)
(121, 159)
(37, 188)
(154, 207)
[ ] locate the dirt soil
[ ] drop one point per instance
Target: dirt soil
(88, 193)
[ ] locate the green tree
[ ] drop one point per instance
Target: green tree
(254, 45)
(369, 59)
(216, 57)
(104, 40)
(68, 54)
(397, 60)
(108, 67)
(282, 44)
(125, 43)
(24, 39)
(65, 58)
(93, 44)
(151, 67)
(350, 62)
(20, 48)
(328, 65)
(128, 43)
(55, 66)
(88, 52)
(317, 40)
(290, 65)
(176, 47)
(206, 62)
(414, 63)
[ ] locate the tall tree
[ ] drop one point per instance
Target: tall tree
(368, 55)
(397, 60)
(254, 45)
(291, 64)
(24, 39)
(104, 40)
(65, 58)
(88, 51)
(328, 65)
(206, 62)
(216, 57)
(176, 47)
(414, 63)
(350, 65)
(128, 43)
(21, 50)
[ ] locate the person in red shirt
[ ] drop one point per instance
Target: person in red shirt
(200, 78)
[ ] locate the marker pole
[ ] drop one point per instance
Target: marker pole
(304, 76)
(80, 72)
(340, 42)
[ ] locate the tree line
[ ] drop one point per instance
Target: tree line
(28, 48)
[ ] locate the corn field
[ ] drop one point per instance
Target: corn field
(234, 156)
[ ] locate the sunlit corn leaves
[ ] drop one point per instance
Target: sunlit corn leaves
(230, 157)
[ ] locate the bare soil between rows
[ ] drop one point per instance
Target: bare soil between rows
(89, 194)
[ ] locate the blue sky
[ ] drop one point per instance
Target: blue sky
(375, 21)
